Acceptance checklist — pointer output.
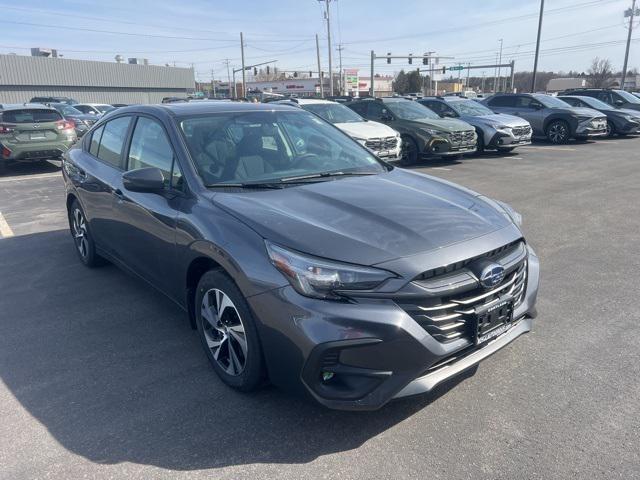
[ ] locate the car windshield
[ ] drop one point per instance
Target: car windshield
(333, 112)
(271, 146)
(469, 107)
(628, 96)
(410, 110)
(595, 103)
(104, 108)
(67, 110)
(30, 115)
(551, 102)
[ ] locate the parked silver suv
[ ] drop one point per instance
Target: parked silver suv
(495, 131)
(550, 117)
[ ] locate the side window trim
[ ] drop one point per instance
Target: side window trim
(124, 145)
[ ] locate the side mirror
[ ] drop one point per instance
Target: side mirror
(144, 180)
(448, 115)
(536, 106)
(618, 103)
(386, 117)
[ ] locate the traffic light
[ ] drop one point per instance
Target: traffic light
(444, 70)
(295, 74)
(425, 59)
(410, 58)
(388, 57)
(255, 71)
(310, 74)
(268, 69)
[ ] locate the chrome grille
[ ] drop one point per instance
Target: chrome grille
(383, 143)
(599, 123)
(521, 131)
(446, 315)
(462, 139)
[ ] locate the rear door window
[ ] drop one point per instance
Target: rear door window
(112, 141)
(95, 141)
(503, 101)
(30, 115)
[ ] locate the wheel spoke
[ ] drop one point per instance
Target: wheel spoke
(237, 332)
(234, 361)
(222, 302)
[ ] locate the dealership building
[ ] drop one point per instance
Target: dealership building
(25, 77)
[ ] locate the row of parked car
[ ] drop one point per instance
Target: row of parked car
(45, 128)
(413, 128)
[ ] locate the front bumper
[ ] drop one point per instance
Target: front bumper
(629, 128)
(444, 147)
(506, 138)
(591, 128)
(371, 348)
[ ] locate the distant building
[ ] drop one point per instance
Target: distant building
(382, 84)
(25, 77)
(302, 87)
(631, 82)
(559, 84)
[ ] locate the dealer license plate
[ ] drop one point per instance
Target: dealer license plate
(493, 320)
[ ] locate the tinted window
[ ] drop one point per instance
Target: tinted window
(31, 116)
(605, 97)
(150, 147)
(409, 110)
(503, 101)
(95, 141)
(360, 108)
(112, 141)
(333, 112)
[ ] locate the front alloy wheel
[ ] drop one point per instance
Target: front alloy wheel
(224, 331)
(79, 232)
(558, 132)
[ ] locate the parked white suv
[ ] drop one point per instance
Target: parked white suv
(381, 139)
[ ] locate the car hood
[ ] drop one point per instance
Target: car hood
(367, 219)
(626, 111)
(366, 129)
(84, 116)
(583, 111)
(497, 118)
(446, 124)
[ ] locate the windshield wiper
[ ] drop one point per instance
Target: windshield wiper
(257, 185)
(325, 175)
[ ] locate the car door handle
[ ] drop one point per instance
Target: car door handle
(118, 193)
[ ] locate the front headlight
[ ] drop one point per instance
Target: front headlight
(630, 118)
(582, 118)
(433, 131)
(320, 278)
(510, 213)
(500, 127)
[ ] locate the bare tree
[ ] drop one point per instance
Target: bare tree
(600, 73)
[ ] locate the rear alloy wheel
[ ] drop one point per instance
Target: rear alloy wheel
(611, 129)
(409, 152)
(85, 247)
(558, 132)
(227, 332)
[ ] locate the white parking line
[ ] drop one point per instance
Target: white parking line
(441, 168)
(30, 177)
(5, 229)
(516, 158)
(558, 149)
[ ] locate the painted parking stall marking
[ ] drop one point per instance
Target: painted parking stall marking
(5, 229)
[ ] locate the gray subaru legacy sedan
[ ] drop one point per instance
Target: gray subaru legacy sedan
(299, 257)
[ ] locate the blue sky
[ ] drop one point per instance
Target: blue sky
(206, 32)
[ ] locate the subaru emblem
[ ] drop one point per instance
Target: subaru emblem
(492, 275)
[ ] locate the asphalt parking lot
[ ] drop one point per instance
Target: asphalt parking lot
(103, 378)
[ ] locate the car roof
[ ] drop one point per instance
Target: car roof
(311, 101)
(5, 107)
(199, 108)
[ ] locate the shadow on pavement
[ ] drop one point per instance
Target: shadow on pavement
(113, 371)
(31, 168)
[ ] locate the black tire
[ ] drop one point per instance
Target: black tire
(82, 239)
(506, 149)
(611, 129)
(480, 142)
(252, 373)
(3, 167)
(558, 132)
(409, 151)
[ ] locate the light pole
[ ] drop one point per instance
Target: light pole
(328, 17)
(499, 62)
(630, 14)
(244, 76)
(535, 62)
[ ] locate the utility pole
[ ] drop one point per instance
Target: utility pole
(228, 77)
(468, 70)
(371, 88)
(513, 73)
(341, 90)
(630, 14)
(535, 62)
(319, 67)
(244, 76)
(499, 62)
(328, 17)
(482, 87)
(213, 85)
(495, 75)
